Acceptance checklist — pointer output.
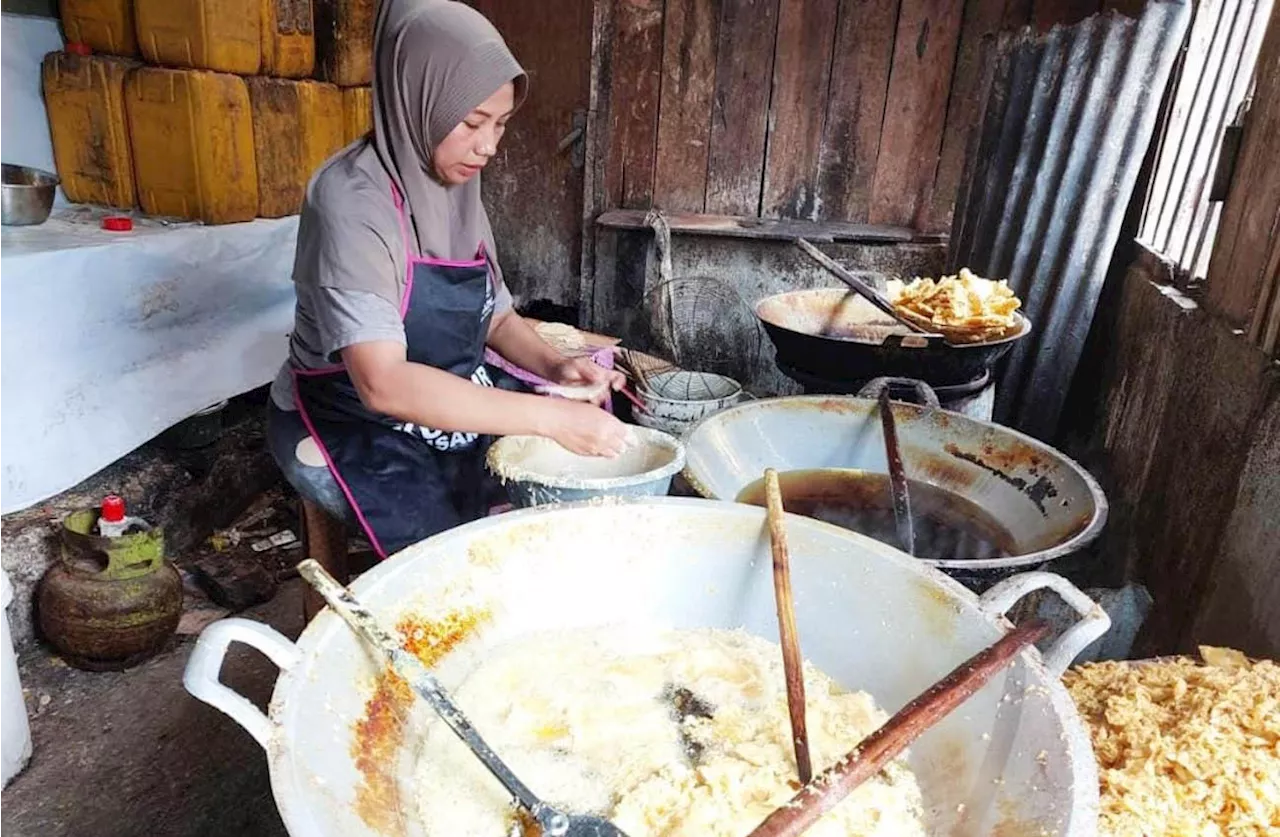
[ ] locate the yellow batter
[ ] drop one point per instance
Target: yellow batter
(589, 720)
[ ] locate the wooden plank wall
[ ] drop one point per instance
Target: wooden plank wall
(1244, 272)
(541, 252)
(1193, 418)
(822, 110)
(1190, 429)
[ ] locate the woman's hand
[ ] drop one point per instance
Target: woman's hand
(586, 429)
(584, 372)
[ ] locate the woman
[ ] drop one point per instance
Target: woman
(399, 293)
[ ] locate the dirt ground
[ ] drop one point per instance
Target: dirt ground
(130, 754)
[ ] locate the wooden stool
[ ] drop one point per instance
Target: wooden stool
(324, 539)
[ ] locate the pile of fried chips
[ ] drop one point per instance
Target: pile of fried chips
(963, 308)
(1184, 749)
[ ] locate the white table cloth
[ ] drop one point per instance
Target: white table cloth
(107, 339)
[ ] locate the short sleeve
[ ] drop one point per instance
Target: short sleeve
(345, 318)
(347, 273)
(349, 236)
(502, 301)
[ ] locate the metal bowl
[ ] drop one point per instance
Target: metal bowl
(1047, 504)
(27, 195)
(1015, 759)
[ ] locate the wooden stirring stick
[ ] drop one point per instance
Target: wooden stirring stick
(635, 401)
(792, 662)
(882, 746)
(897, 476)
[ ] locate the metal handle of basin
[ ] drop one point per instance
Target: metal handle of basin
(201, 676)
(925, 396)
(1094, 621)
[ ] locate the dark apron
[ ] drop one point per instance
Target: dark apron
(407, 482)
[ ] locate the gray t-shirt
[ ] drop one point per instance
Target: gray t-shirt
(327, 320)
(348, 201)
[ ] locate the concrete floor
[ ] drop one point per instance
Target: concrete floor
(131, 753)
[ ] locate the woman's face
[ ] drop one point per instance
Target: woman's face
(474, 140)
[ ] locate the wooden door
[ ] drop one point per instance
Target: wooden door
(534, 188)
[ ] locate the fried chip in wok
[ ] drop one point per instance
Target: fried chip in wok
(1184, 749)
(964, 308)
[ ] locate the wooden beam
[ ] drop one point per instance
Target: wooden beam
(684, 116)
(860, 64)
(924, 56)
(983, 19)
(740, 109)
(1241, 607)
(1218, 388)
(1047, 13)
(634, 73)
(1128, 8)
(801, 76)
(1239, 278)
(766, 229)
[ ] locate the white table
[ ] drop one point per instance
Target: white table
(107, 339)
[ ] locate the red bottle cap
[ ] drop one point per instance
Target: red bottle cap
(117, 223)
(112, 508)
(79, 48)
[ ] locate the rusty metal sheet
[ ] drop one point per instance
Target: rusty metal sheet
(1066, 120)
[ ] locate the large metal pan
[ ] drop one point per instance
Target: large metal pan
(1015, 759)
(1048, 504)
(836, 335)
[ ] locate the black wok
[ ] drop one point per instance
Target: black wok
(833, 334)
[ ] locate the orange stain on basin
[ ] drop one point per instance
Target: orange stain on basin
(379, 733)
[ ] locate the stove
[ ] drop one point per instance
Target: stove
(975, 399)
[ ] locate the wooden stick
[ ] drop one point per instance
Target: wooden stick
(635, 401)
(897, 475)
(875, 751)
(869, 293)
(792, 662)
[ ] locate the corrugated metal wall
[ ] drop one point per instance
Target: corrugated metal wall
(1066, 121)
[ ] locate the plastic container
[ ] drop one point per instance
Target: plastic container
(357, 113)
(84, 97)
(192, 137)
(297, 125)
(538, 472)
(222, 35)
(104, 25)
(344, 41)
(288, 39)
(15, 733)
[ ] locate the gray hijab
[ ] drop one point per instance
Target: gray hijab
(434, 62)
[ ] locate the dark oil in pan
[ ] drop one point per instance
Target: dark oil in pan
(948, 527)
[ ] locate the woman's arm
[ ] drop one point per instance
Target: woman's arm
(389, 383)
(511, 336)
